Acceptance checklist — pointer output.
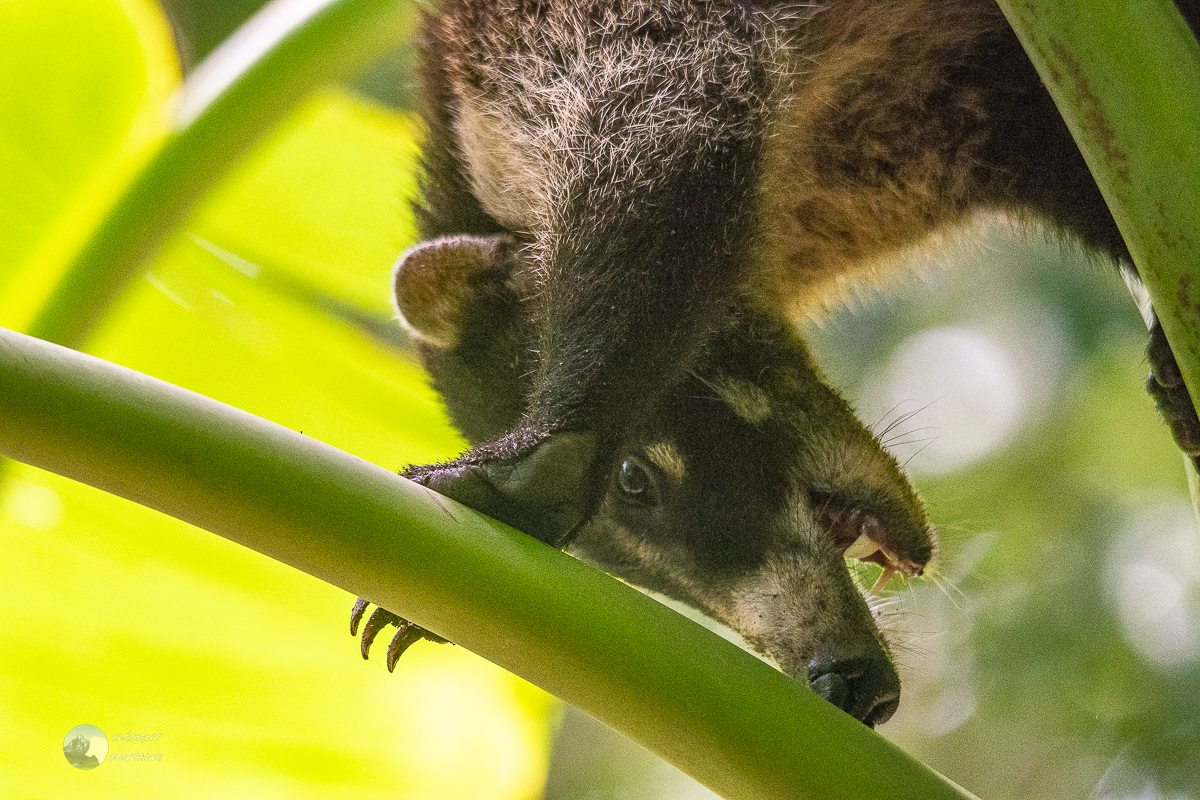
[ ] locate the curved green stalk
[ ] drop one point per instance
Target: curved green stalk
(246, 85)
(713, 710)
(1126, 78)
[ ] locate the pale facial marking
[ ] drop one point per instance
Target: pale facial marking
(664, 456)
(748, 401)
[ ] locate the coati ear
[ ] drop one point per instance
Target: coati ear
(440, 284)
(460, 297)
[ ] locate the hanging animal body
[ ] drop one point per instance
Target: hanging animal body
(627, 204)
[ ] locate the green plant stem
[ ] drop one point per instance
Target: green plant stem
(1126, 78)
(713, 710)
(233, 97)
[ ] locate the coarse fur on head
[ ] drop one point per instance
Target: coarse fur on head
(627, 202)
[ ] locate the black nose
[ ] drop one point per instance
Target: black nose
(867, 687)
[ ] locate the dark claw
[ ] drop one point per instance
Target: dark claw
(408, 635)
(379, 620)
(356, 615)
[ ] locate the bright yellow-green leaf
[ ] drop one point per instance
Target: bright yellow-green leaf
(245, 667)
(324, 202)
(121, 618)
(84, 84)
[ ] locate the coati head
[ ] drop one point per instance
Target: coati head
(740, 490)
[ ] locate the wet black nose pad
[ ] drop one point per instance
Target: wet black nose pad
(833, 687)
(867, 688)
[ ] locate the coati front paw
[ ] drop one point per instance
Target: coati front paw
(1166, 386)
(539, 488)
(407, 635)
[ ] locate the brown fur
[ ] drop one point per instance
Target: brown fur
(629, 201)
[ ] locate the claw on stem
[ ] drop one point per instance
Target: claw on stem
(356, 615)
(408, 635)
(380, 619)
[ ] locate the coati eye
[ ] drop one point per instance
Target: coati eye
(636, 481)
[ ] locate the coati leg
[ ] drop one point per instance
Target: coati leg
(458, 296)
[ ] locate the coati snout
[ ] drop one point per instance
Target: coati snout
(627, 202)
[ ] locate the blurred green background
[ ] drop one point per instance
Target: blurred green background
(1055, 653)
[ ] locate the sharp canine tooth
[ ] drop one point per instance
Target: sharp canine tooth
(886, 576)
(862, 547)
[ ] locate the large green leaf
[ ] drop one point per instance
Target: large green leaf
(84, 83)
(123, 618)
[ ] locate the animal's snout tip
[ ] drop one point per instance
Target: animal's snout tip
(865, 687)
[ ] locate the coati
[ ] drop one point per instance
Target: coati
(628, 202)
